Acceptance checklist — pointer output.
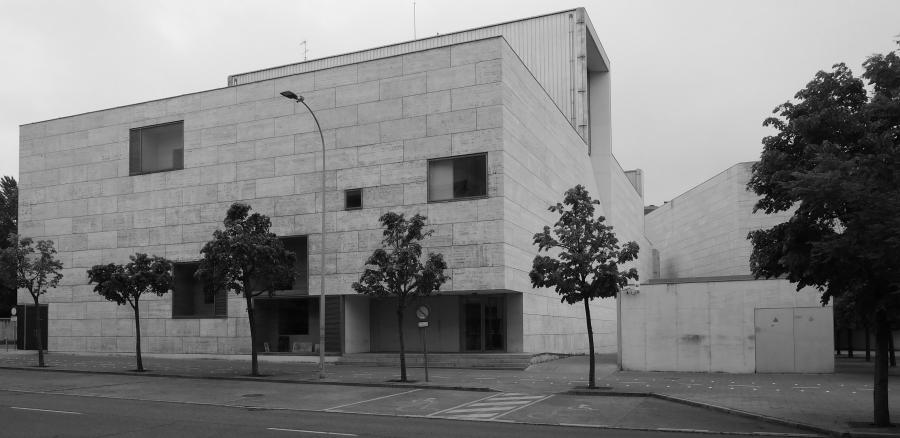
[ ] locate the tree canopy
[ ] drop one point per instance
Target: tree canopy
(396, 269)
(247, 258)
(835, 163)
(36, 269)
(587, 258)
(125, 284)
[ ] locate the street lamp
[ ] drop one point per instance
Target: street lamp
(293, 96)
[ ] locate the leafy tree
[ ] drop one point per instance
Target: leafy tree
(9, 219)
(125, 284)
(248, 259)
(37, 271)
(396, 269)
(835, 159)
(586, 265)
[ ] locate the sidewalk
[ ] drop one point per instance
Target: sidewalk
(840, 402)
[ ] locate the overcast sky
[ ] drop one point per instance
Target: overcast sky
(692, 80)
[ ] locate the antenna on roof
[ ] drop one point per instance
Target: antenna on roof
(303, 43)
(414, 20)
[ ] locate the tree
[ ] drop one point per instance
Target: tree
(9, 219)
(125, 284)
(396, 269)
(36, 270)
(248, 259)
(835, 160)
(587, 263)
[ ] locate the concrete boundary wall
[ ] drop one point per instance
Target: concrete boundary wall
(710, 326)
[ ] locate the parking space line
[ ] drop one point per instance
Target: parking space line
(372, 399)
(317, 432)
(45, 410)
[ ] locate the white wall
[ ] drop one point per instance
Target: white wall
(710, 326)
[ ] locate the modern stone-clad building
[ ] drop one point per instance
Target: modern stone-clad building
(478, 130)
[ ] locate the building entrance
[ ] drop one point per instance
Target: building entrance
(484, 324)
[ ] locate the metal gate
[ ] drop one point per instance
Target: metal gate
(7, 333)
(790, 340)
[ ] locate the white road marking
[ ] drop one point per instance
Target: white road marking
(459, 406)
(491, 407)
(371, 399)
(46, 410)
(318, 432)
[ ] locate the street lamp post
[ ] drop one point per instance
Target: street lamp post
(291, 95)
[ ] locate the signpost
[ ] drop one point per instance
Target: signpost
(13, 325)
(422, 313)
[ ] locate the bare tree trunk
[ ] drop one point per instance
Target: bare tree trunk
(592, 383)
(40, 332)
(850, 343)
(880, 395)
(137, 337)
(891, 346)
(402, 346)
(868, 344)
(254, 364)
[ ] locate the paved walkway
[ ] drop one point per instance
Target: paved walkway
(839, 402)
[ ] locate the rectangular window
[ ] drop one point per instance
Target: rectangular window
(457, 178)
(353, 199)
(156, 148)
(189, 299)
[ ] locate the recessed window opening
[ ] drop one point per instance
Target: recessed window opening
(353, 199)
(156, 148)
(457, 178)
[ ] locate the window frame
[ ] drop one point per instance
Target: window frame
(214, 315)
(140, 148)
(467, 198)
(347, 192)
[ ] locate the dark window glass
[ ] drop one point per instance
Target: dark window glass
(189, 299)
(353, 199)
(156, 148)
(457, 178)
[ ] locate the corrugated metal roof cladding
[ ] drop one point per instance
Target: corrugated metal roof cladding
(549, 45)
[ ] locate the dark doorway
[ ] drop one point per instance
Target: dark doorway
(484, 324)
(26, 331)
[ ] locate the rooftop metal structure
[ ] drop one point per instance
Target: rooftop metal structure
(557, 48)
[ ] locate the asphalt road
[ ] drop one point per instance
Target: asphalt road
(41, 403)
(48, 415)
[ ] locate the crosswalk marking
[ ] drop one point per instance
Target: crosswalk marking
(491, 407)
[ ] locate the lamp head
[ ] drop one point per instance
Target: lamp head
(291, 95)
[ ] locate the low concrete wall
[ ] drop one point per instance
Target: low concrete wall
(710, 326)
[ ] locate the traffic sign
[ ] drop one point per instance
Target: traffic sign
(423, 324)
(422, 313)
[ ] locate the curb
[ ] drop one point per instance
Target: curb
(731, 411)
(257, 379)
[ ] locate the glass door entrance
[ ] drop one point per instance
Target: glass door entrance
(484, 324)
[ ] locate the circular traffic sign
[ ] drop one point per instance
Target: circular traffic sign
(12, 311)
(422, 312)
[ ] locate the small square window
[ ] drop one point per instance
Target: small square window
(457, 178)
(353, 199)
(156, 148)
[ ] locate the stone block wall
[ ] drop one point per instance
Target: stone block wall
(382, 121)
(543, 156)
(703, 232)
